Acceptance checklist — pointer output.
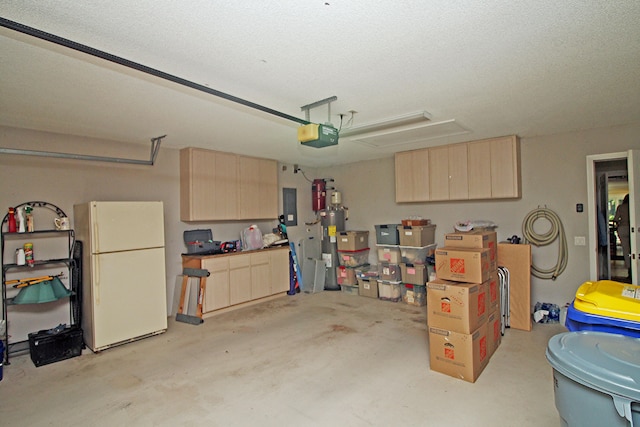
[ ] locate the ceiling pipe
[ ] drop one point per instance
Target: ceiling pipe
(155, 148)
(52, 38)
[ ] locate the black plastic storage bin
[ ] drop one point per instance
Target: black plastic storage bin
(200, 242)
(47, 347)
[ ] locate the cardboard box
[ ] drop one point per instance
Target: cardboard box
(352, 240)
(462, 356)
(415, 274)
(463, 265)
(422, 235)
(494, 331)
(387, 234)
(455, 306)
(368, 288)
(477, 240)
(389, 253)
(346, 276)
(517, 259)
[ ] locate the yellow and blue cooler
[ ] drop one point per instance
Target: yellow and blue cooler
(606, 306)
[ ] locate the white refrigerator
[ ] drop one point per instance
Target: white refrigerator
(123, 278)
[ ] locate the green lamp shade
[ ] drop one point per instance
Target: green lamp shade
(51, 290)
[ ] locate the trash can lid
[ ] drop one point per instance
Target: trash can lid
(605, 361)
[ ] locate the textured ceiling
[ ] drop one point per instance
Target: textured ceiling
(495, 67)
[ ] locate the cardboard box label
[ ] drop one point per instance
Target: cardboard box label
(445, 306)
(457, 265)
(483, 347)
(449, 352)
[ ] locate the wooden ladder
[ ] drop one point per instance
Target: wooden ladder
(202, 275)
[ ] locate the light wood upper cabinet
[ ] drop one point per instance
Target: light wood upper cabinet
(487, 169)
(225, 186)
(208, 185)
(505, 167)
(478, 159)
(448, 172)
(458, 172)
(258, 180)
(412, 176)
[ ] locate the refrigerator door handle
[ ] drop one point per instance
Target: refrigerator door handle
(96, 280)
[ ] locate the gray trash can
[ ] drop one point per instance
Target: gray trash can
(596, 378)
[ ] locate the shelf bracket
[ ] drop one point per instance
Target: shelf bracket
(155, 148)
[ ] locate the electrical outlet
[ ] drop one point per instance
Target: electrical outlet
(579, 241)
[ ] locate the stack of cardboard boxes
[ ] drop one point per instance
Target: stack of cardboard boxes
(463, 312)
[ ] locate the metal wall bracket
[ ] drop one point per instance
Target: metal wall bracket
(155, 148)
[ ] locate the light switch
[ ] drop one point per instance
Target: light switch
(579, 241)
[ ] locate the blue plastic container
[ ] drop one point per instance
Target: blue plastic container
(580, 321)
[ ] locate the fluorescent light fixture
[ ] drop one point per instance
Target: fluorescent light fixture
(411, 134)
(408, 119)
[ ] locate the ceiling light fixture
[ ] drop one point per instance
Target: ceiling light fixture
(408, 119)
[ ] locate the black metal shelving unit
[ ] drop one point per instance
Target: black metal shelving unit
(68, 261)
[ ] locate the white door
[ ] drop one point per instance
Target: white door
(120, 226)
(129, 297)
(633, 166)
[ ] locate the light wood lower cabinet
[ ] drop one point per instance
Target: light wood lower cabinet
(279, 274)
(239, 279)
(243, 277)
(217, 292)
(260, 274)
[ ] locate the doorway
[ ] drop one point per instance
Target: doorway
(611, 178)
(612, 187)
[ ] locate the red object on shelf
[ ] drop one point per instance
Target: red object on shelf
(12, 220)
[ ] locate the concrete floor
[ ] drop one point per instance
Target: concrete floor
(326, 359)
